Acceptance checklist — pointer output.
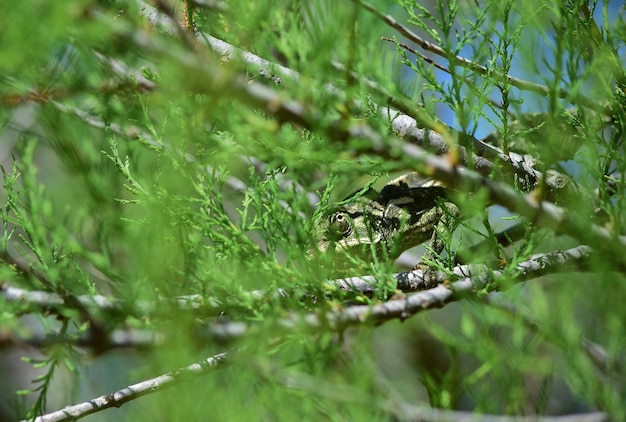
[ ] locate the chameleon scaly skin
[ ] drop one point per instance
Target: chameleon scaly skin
(404, 214)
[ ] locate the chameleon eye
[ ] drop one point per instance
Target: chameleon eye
(339, 225)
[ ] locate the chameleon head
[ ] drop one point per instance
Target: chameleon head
(348, 227)
(350, 231)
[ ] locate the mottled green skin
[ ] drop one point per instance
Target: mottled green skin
(404, 214)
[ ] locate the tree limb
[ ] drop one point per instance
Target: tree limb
(132, 392)
(408, 122)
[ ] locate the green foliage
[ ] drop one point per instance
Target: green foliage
(161, 197)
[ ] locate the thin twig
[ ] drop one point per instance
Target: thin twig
(430, 61)
(132, 392)
(475, 278)
(480, 69)
(404, 411)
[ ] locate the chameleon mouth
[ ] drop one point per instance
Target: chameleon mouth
(358, 242)
(363, 247)
(346, 245)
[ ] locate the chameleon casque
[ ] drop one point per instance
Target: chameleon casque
(408, 211)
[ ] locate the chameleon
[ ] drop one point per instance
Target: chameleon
(408, 211)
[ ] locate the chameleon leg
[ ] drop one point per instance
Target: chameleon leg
(448, 220)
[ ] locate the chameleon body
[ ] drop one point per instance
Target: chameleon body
(408, 211)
